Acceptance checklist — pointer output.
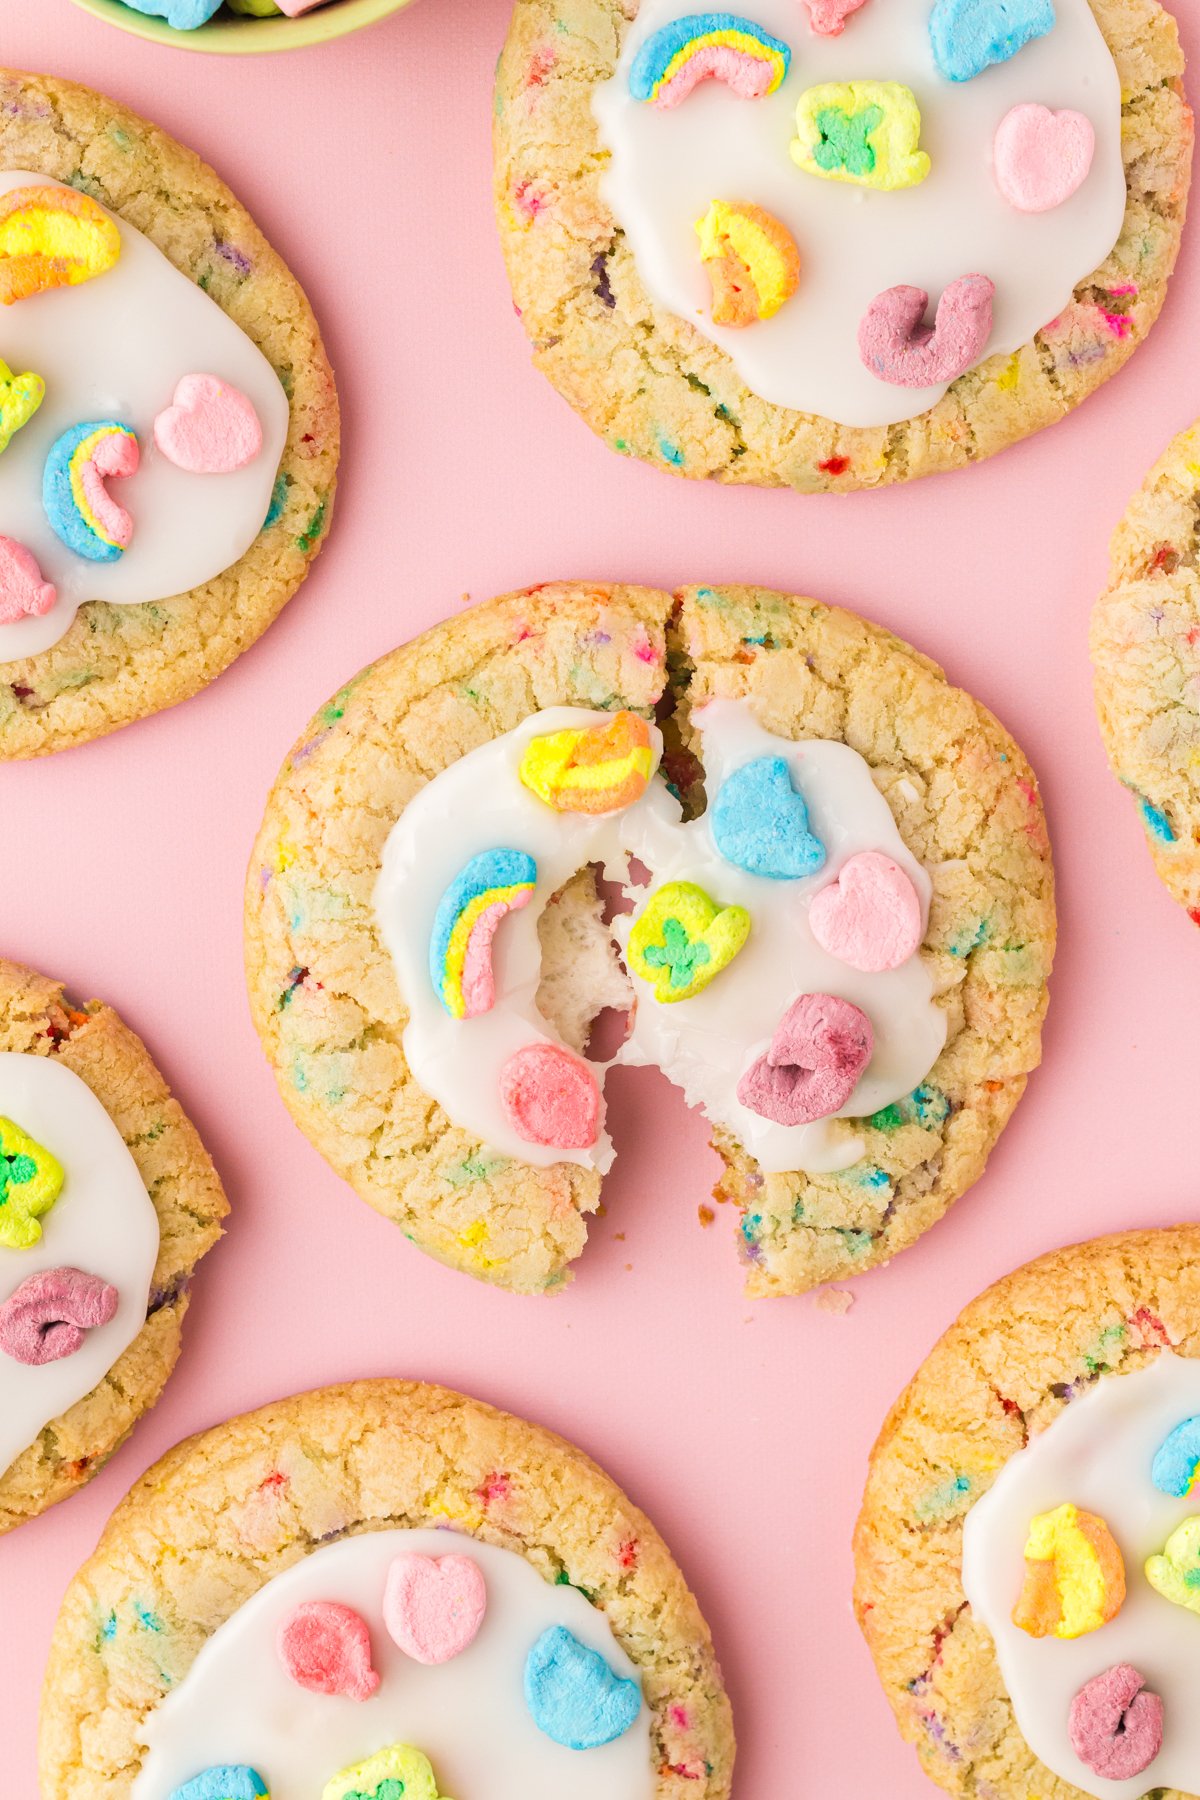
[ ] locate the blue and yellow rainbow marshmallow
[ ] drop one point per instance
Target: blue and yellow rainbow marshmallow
(1176, 1466)
(720, 45)
(491, 886)
(79, 507)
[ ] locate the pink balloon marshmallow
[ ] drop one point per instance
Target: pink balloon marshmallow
(209, 429)
(326, 1648)
(293, 8)
(433, 1606)
(1040, 158)
(550, 1097)
(52, 1312)
(1115, 1725)
(870, 917)
(828, 17)
(896, 345)
(24, 593)
(820, 1048)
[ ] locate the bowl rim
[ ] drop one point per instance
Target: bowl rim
(247, 36)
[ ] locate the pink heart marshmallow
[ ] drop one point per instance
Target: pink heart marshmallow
(1040, 158)
(870, 917)
(433, 1606)
(209, 429)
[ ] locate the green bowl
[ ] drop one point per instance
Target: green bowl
(238, 36)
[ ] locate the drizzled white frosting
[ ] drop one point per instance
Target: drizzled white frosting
(1098, 1455)
(103, 1223)
(237, 1704)
(114, 348)
(667, 166)
(703, 1044)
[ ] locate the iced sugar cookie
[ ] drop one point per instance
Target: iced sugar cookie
(107, 1202)
(842, 969)
(1027, 1562)
(167, 414)
(977, 207)
(1145, 632)
(379, 1590)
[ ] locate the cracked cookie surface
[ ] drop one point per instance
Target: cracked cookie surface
(324, 992)
(220, 1515)
(1015, 1358)
(652, 386)
(37, 1019)
(119, 663)
(1145, 633)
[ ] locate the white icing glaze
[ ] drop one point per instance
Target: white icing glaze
(238, 1705)
(702, 1044)
(103, 1223)
(114, 348)
(1098, 1454)
(855, 242)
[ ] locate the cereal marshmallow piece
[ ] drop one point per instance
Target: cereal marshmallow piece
(51, 1314)
(724, 46)
(225, 1783)
(326, 1648)
(599, 769)
(683, 939)
(30, 1182)
(1116, 1725)
(1176, 1573)
(820, 1048)
(24, 591)
(760, 823)
(80, 509)
(483, 893)
(1074, 1575)
(20, 397)
(866, 132)
(52, 237)
(1176, 1466)
(752, 261)
(573, 1696)
(397, 1773)
(968, 36)
(896, 344)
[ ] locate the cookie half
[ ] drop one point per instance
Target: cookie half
(337, 1585)
(722, 239)
(1022, 1567)
(146, 548)
(427, 951)
(1145, 629)
(108, 1200)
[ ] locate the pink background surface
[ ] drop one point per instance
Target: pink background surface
(743, 1429)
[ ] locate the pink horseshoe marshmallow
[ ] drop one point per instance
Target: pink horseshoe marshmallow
(51, 1313)
(896, 345)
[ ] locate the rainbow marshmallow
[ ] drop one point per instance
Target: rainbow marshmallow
(752, 261)
(491, 885)
(722, 45)
(79, 507)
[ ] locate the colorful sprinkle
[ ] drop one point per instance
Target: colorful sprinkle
(752, 261)
(51, 1314)
(867, 132)
(896, 345)
(492, 885)
(598, 769)
(326, 1648)
(760, 823)
(682, 940)
(573, 1696)
(52, 237)
(820, 1048)
(720, 45)
(78, 505)
(433, 1606)
(31, 1180)
(1074, 1575)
